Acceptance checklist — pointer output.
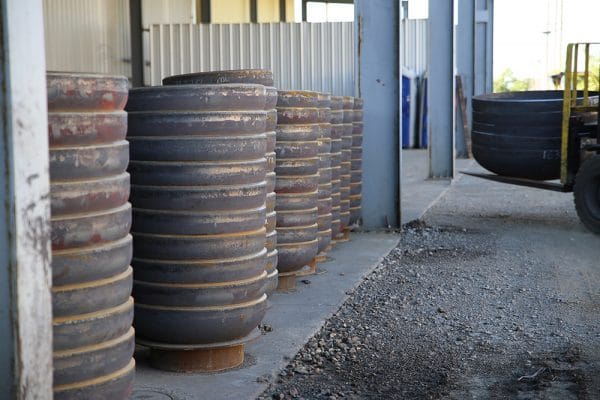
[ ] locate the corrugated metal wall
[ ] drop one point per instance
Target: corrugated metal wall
(87, 36)
(414, 44)
(301, 55)
(93, 36)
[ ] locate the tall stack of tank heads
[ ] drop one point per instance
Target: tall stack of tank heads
(91, 246)
(198, 192)
(235, 190)
(325, 201)
(297, 183)
(258, 77)
(337, 132)
(345, 175)
(356, 163)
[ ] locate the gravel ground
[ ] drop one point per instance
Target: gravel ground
(479, 302)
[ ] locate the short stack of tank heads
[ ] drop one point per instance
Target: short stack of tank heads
(337, 132)
(356, 163)
(325, 201)
(91, 246)
(297, 169)
(260, 77)
(345, 175)
(198, 192)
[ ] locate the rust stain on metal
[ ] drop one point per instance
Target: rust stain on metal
(257, 76)
(203, 237)
(91, 218)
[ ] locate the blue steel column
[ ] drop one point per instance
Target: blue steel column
(440, 88)
(483, 47)
(464, 66)
(376, 41)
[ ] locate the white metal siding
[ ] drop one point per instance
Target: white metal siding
(94, 35)
(301, 55)
(414, 44)
(87, 36)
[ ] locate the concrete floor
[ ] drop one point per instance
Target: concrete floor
(544, 255)
(496, 295)
(418, 192)
(295, 317)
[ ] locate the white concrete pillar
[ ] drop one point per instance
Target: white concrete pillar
(25, 254)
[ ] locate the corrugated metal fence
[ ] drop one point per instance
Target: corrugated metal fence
(414, 44)
(310, 56)
(87, 36)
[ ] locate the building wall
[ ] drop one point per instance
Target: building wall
(304, 55)
(290, 11)
(238, 11)
(87, 36)
(94, 35)
(229, 11)
(267, 10)
(414, 44)
(168, 11)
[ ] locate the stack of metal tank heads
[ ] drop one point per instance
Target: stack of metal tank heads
(297, 171)
(337, 132)
(325, 201)
(257, 77)
(198, 191)
(91, 246)
(356, 163)
(345, 174)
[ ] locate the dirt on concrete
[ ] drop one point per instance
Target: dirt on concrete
(479, 302)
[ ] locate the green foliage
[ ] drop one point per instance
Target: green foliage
(508, 82)
(594, 74)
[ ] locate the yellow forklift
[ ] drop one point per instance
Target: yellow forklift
(532, 160)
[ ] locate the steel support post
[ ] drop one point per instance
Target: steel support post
(25, 254)
(465, 43)
(440, 88)
(483, 57)
(377, 57)
(137, 52)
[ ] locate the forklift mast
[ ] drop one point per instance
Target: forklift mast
(580, 101)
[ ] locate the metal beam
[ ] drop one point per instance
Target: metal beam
(483, 81)
(137, 50)
(440, 88)
(253, 11)
(282, 11)
(304, 10)
(204, 11)
(464, 66)
(377, 56)
(25, 254)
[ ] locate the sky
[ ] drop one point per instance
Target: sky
(527, 34)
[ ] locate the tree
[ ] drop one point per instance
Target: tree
(508, 82)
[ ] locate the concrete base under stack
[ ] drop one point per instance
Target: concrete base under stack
(197, 358)
(288, 327)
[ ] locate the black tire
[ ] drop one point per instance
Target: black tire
(587, 194)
